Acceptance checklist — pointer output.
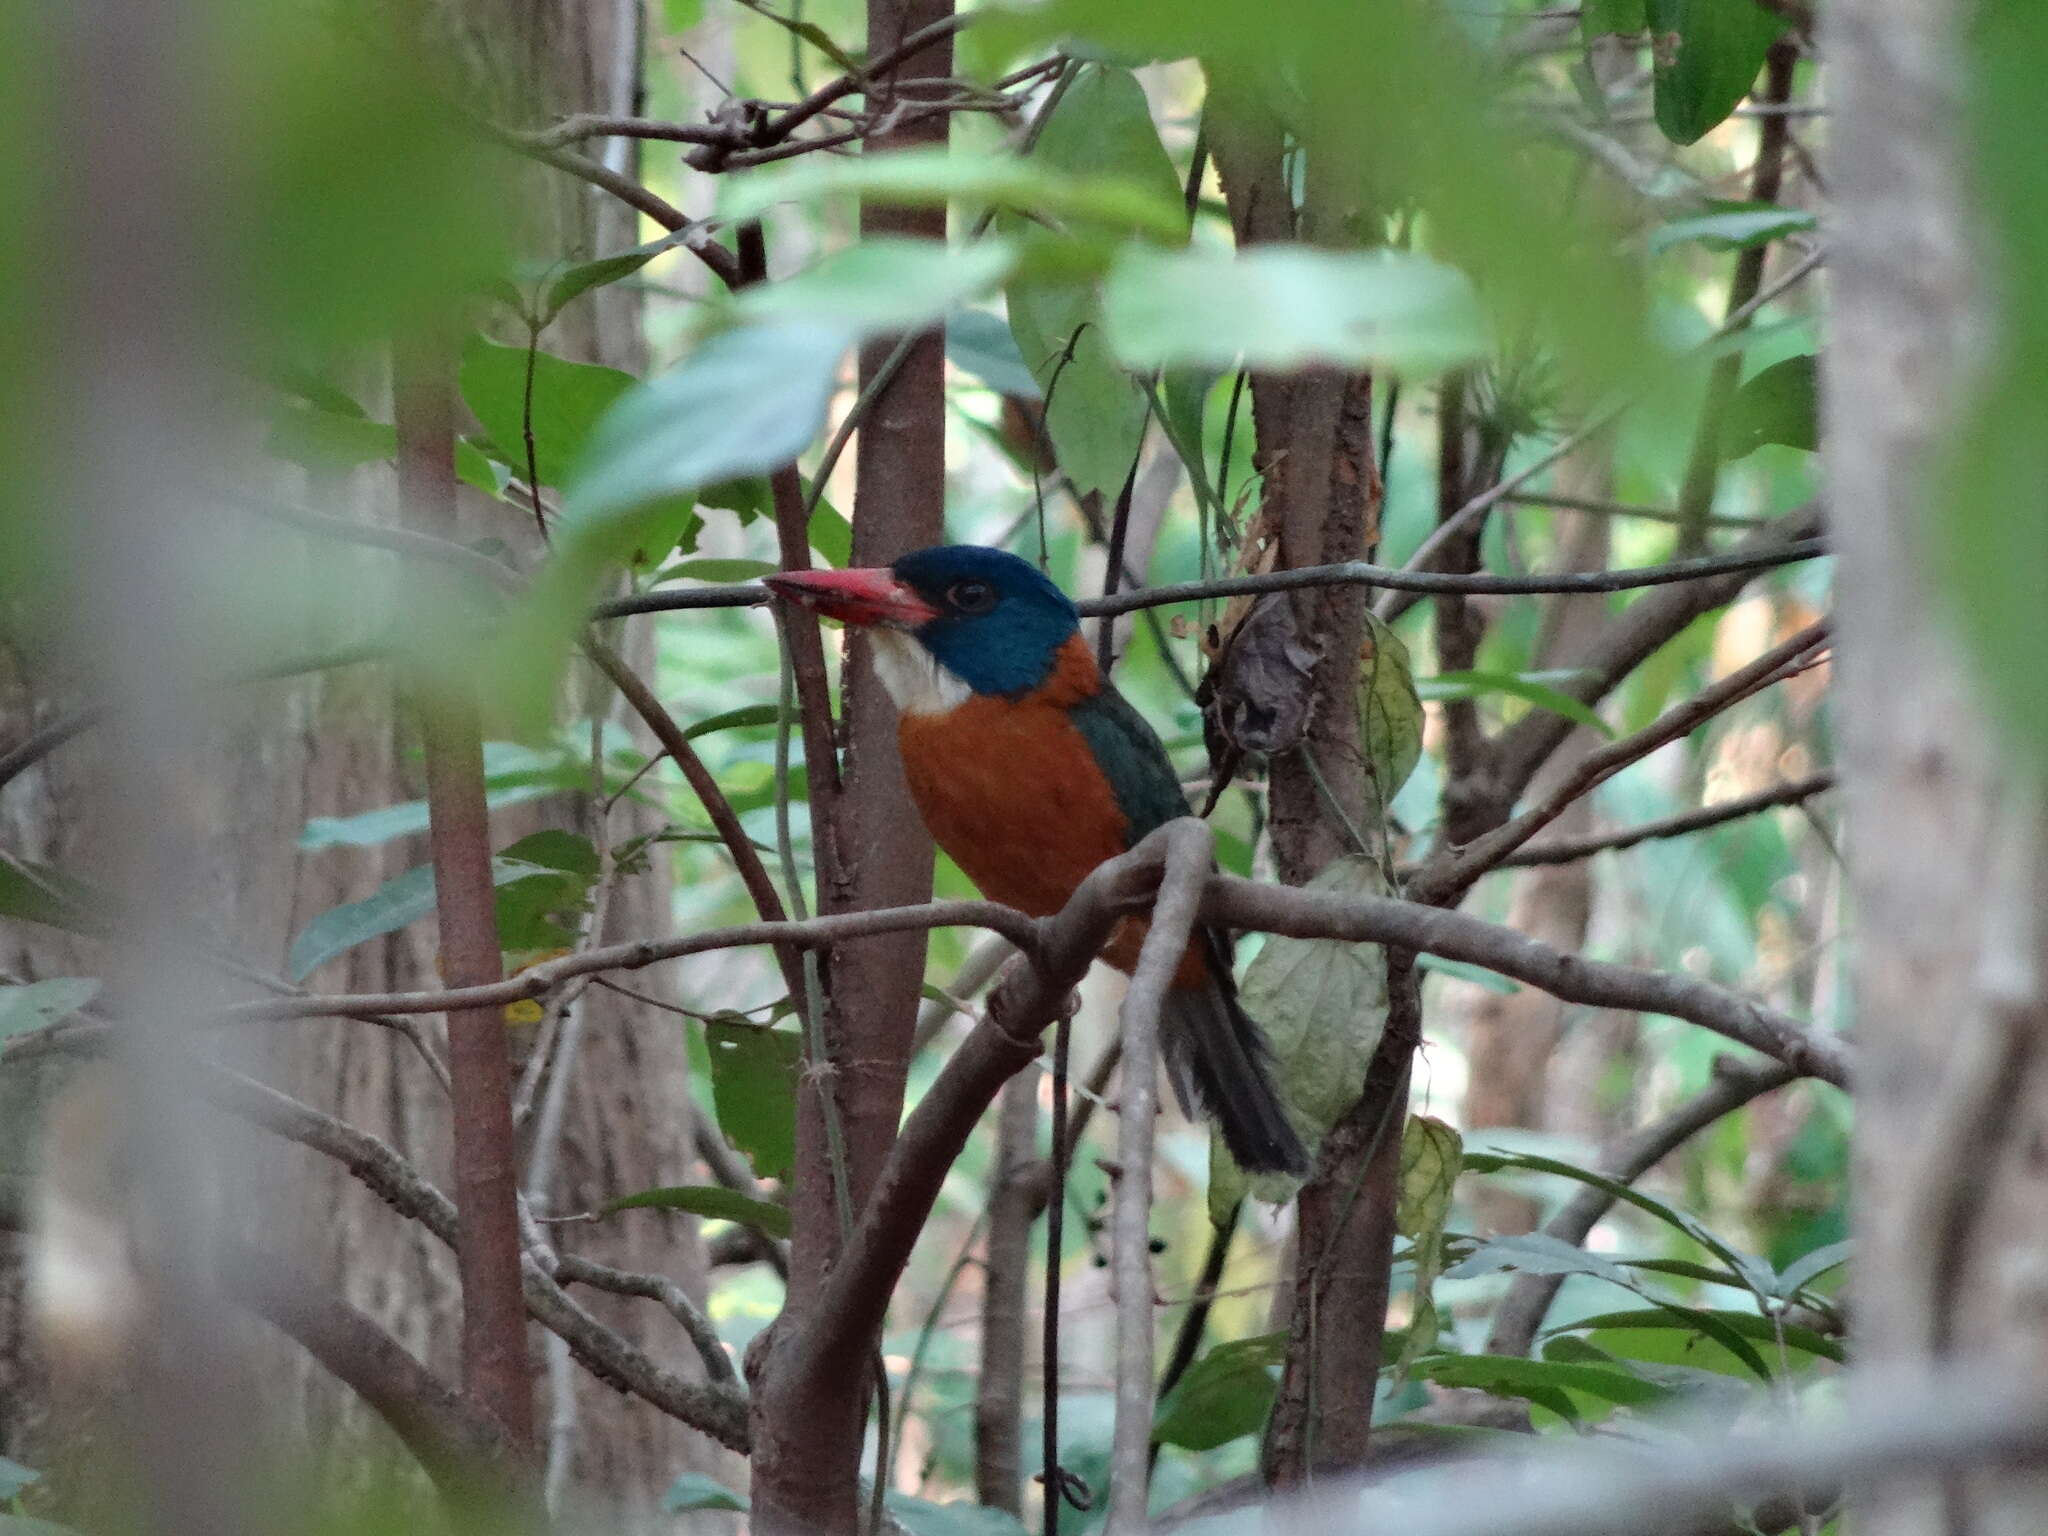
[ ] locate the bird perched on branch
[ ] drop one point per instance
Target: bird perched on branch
(1030, 770)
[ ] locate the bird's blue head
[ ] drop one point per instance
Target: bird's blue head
(992, 620)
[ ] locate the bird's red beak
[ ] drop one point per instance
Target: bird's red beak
(867, 596)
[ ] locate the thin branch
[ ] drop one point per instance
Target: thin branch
(466, 1453)
(1893, 1429)
(1189, 853)
(702, 1335)
(1443, 879)
(1306, 914)
(597, 125)
(720, 1411)
(1571, 850)
(1349, 573)
(536, 981)
(1735, 1083)
(846, 85)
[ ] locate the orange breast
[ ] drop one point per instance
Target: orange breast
(1011, 790)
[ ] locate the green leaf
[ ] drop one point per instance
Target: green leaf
(693, 1491)
(1323, 1005)
(919, 178)
(1468, 685)
(921, 1517)
(543, 910)
(1707, 54)
(568, 400)
(36, 893)
(1612, 18)
(1754, 1274)
(31, 1006)
(1225, 1394)
(810, 32)
(1431, 1154)
(1103, 130)
(400, 901)
(368, 828)
(734, 719)
(1094, 411)
(709, 1201)
(753, 1088)
(980, 344)
(1744, 1326)
(882, 285)
(1780, 404)
(1389, 711)
(1287, 306)
(1536, 1253)
(715, 570)
(831, 535)
(747, 401)
(586, 275)
(14, 1477)
(1513, 1376)
(1808, 1267)
(1731, 226)
(328, 442)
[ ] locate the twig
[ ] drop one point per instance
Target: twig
(1349, 573)
(702, 1335)
(1189, 853)
(537, 981)
(1443, 879)
(1571, 850)
(1735, 1083)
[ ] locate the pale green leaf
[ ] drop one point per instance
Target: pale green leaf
(882, 285)
(37, 1003)
(708, 1200)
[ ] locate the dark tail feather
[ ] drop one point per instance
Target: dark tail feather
(1220, 1066)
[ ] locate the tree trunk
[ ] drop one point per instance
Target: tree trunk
(1949, 845)
(281, 753)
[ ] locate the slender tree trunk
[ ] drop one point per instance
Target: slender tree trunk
(808, 1425)
(1949, 844)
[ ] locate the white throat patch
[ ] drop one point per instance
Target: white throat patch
(913, 675)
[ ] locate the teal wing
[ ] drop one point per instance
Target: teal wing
(1134, 761)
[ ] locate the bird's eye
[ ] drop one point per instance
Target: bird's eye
(971, 597)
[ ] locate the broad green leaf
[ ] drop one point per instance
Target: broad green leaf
(1094, 412)
(400, 901)
(1780, 404)
(368, 828)
(1323, 1005)
(693, 1491)
(1707, 54)
(1285, 306)
(568, 400)
(36, 893)
(586, 275)
(1225, 1394)
(14, 1477)
(1103, 131)
(1468, 685)
(707, 1200)
(718, 571)
(1389, 711)
(745, 402)
(753, 1088)
(832, 535)
(31, 1006)
(1747, 1327)
(1611, 18)
(1431, 1154)
(882, 285)
(1513, 1376)
(1536, 1253)
(733, 719)
(543, 912)
(980, 344)
(921, 1517)
(325, 442)
(917, 178)
(1730, 226)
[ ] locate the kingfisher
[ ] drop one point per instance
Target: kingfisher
(1030, 769)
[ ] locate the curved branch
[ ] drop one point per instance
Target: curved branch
(1570, 850)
